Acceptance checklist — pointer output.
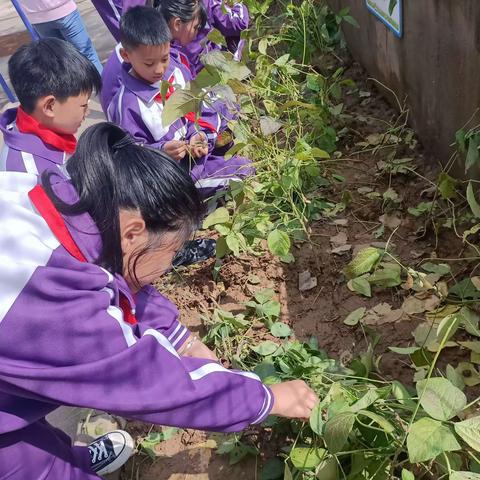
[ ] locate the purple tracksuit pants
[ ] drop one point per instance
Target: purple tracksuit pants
(42, 452)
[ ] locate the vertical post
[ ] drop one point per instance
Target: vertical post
(26, 22)
(33, 34)
(6, 89)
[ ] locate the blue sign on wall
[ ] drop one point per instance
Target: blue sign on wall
(390, 12)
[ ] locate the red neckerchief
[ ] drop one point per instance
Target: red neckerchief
(190, 116)
(56, 223)
(27, 124)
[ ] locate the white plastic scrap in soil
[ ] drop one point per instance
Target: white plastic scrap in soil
(306, 281)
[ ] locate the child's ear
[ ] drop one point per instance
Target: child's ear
(124, 55)
(46, 105)
(175, 24)
(132, 231)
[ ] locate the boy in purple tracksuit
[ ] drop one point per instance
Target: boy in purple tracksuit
(53, 82)
(79, 326)
(137, 106)
(230, 21)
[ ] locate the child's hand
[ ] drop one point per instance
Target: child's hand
(197, 349)
(198, 145)
(176, 149)
(294, 399)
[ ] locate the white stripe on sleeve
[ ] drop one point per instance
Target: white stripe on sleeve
(29, 163)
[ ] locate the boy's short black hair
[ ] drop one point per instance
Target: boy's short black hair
(143, 26)
(51, 67)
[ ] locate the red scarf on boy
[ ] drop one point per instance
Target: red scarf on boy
(64, 142)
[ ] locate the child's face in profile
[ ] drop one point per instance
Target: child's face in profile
(185, 33)
(64, 116)
(149, 62)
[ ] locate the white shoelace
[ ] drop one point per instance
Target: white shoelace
(98, 451)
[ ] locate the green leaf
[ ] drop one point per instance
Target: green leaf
(404, 350)
(386, 277)
(472, 201)
(363, 262)
(265, 348)
(446, 186)
(379, 420)
(407, 475)
(265, 369)
(307, 458)
(220, 215)
(429, 438)
(351, 20)
(469, 431)
(233, 243)
(278, 242)
(288, 474)
(473, 154)
(280, 330)
(337, 430)
(420, 209)
(464, 476)
(273, 469)
(327, 470)
(440, 398)
(440, 268)
(465, 290)
(473, 346)
(368, 399)
(222, 248)
(454, 377)
(164, 90)
(264, 295)
(448, 326)
(316, 419)
(461, 140)
(178, 105)
(263, 45)
(354, 317)
(360, 285)
(234, 150)
(207, 77)
(270, 309)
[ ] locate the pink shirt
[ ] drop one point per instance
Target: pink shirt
(41, 11)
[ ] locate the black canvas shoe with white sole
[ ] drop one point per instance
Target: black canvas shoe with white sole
(110, 451)
(195, 251)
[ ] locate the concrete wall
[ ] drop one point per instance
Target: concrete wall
(436, 64)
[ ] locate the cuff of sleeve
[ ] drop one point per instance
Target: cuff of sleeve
(266, 407)
(178, 336)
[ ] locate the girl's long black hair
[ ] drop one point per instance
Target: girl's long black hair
(111, 172)
(185, 10)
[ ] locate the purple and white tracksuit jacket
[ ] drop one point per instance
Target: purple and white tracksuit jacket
(112, 10)
(230, 21)
(64, 341)
(135, 108)
(25, 152)
(112, 73)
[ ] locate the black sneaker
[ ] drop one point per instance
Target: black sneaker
(195, 251)
(110, 451)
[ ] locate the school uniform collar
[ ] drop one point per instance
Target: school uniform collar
(143, 90)
(27, 123)
(27, 142)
